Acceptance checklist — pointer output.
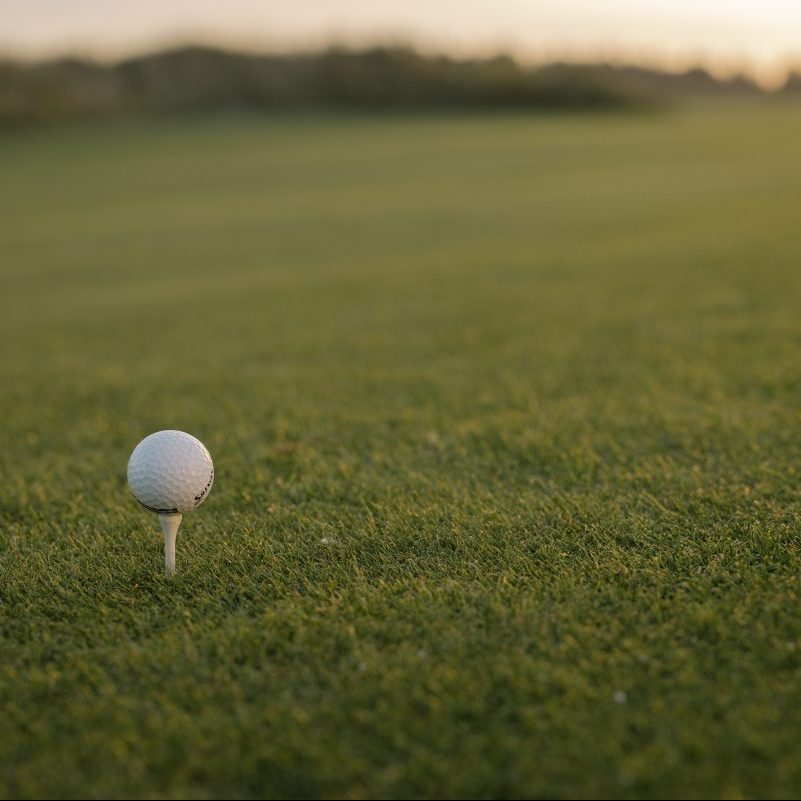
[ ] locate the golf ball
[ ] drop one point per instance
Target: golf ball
(170, 472)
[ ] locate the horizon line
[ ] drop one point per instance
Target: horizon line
(647, 58)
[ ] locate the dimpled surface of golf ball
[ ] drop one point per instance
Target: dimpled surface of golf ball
(170, 472)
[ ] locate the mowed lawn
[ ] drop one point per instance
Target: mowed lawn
(506, 419)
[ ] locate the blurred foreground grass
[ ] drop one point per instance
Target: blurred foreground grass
(505, 416)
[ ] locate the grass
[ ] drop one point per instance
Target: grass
(505, 417)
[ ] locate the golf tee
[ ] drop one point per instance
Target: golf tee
(169, 525)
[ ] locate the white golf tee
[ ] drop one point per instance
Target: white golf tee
(169, 525)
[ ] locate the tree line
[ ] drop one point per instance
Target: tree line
(197, 79)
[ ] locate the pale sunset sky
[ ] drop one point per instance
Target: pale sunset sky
(761, 36)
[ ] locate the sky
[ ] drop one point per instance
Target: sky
(758, 36)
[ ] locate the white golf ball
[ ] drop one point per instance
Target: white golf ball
(170, 472)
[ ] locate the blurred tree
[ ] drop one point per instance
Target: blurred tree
(202, 79)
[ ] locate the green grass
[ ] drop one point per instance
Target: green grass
(506, 416)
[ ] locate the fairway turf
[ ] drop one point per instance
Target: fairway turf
(506, 421)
